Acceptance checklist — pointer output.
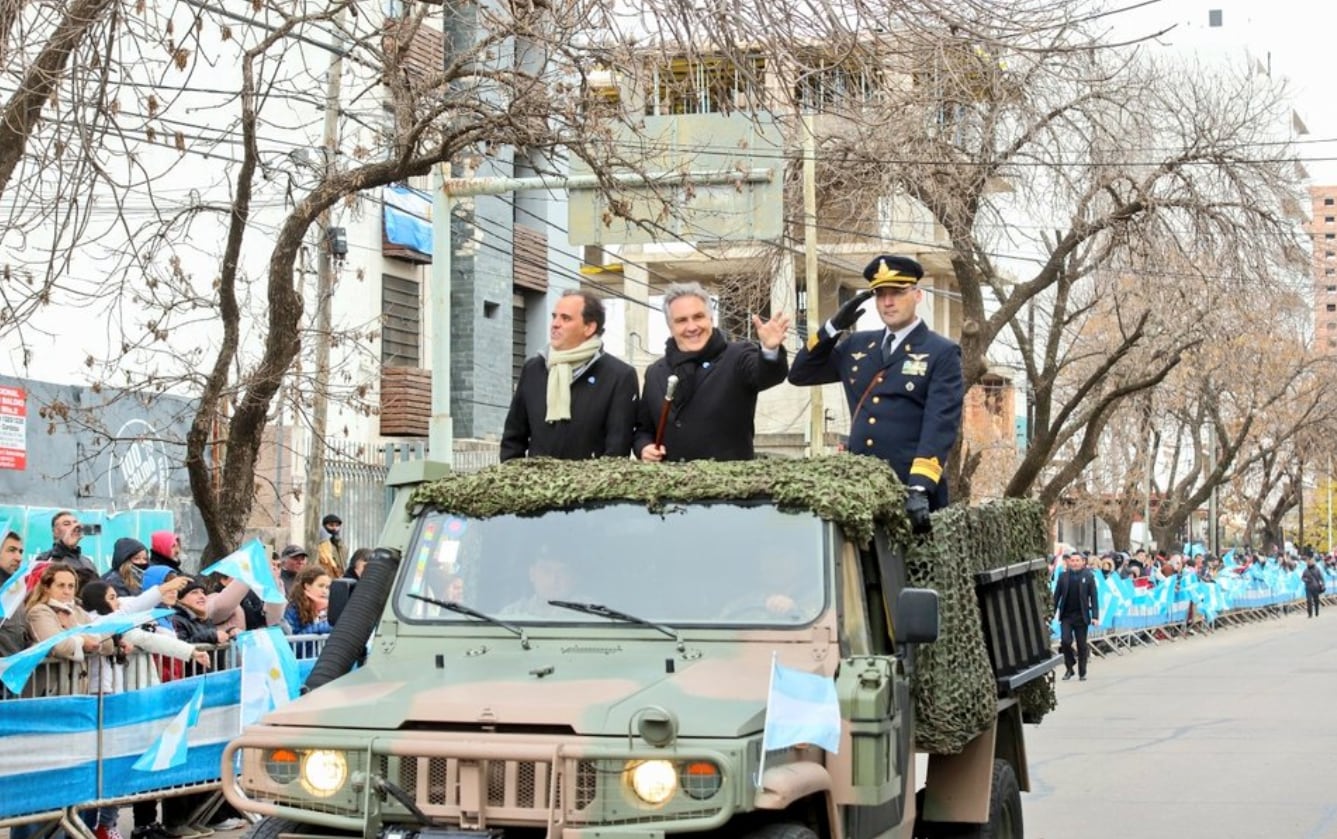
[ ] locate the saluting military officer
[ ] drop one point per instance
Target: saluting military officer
(903, 382)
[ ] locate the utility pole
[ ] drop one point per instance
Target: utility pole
(812, 289)
(1146, 501)
(1212, 509)
(325, 270)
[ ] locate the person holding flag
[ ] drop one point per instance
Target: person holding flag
(246, 592)
(52, 609)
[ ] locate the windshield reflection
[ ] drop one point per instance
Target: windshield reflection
(715, 564)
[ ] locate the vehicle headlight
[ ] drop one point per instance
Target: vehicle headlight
(653, 781)
(324, 772)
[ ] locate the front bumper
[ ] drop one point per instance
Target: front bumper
(572, 788)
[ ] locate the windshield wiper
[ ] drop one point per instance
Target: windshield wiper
(474, 613)
(614, 614)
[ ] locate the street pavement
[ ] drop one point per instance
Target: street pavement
(1231, 734)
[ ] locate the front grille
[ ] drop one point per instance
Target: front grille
(519, 791)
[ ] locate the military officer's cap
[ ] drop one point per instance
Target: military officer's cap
(889, 270)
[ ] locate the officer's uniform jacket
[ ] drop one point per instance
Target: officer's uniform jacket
(911, 414)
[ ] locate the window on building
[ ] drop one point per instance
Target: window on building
(704, 86)
(517, 336)
(1332, 289)
(401, 322)
(1329, 236)
(1332, 324)
(1331, 307)
(1332, 342)
(1328, 202)
(1328, 254)
(828, 85)
(1327, 272)
(1214, 17)
(1329, 219)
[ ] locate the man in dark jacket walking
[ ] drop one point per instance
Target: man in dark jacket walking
(574, 400)
(1078, 608)
(1312, 577)
(713, 412)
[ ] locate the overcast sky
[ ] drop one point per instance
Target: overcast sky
(1297, 39)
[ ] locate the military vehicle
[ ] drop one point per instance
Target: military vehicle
(585, 651)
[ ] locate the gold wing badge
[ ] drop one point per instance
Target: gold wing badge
(858, 356)
(916, 364)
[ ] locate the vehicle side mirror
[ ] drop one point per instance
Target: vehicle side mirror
(916, 619)
(341, 590)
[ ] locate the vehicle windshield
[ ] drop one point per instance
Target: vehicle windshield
(717, 564)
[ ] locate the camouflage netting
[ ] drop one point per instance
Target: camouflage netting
(851, 490)
(955, 694)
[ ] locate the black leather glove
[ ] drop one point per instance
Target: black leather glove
(848, 314)
(916, 507)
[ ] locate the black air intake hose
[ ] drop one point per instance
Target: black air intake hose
(348, 642)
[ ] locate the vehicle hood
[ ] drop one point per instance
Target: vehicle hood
(590, 689)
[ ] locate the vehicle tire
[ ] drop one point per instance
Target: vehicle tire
(782, 830)
(270, 828)
(1005, 820)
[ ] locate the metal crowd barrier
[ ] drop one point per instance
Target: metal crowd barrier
(1184, 619)
(58, 682)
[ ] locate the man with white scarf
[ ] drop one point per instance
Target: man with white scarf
(573, 401)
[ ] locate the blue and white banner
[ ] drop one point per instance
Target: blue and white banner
(250, 564)
(801, 708)
(169, 750)
(17, 668)
(408, 218)
(270, 675)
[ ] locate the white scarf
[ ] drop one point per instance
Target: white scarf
(561, 363)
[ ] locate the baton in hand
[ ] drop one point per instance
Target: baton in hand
(664, 411)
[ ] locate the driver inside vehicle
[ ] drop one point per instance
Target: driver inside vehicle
(785, 592)
(550, 578)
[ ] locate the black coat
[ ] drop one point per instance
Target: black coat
(1088, 606)
(719, 421)
(911, 415)
(603, 413)
(1312, 577)
(83, 567)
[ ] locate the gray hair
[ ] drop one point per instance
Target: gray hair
(678, 290)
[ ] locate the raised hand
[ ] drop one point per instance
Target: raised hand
(771, 333)
(848, 314)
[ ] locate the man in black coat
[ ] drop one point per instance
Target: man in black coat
(902, 381)
(1077, 606)
(573, 401)
(712, 415)
(66, 532)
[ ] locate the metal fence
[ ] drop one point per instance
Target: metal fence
(354, 482)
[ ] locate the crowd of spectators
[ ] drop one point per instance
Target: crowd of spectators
(1157, 566)
(64, 589)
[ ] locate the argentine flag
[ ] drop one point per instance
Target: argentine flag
(250, 564)
(17, 668)
(12, 594)
(269, 672)
(170, 748)
(801, 708)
